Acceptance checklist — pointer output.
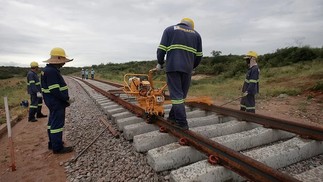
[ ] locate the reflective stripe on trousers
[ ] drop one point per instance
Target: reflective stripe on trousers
(56, 121)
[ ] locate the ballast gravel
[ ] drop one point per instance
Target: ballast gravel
(109, 158)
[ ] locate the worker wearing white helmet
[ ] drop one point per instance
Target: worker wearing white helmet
(34, 90)
(82, 73)
(86, 73)
(55, 92)
(251, 83)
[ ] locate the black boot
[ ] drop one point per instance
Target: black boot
(41, 115)
(64, 150)
(32, 120)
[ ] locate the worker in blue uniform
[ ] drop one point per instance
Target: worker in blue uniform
(86, 74)
(82, 73)
(55, 93)
(92, 73)
(182, 46)
(34, 90)
(251, 83)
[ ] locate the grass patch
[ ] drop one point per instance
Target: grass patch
(16, 91)
(318, 86)
(291, 80)
(276, 91)
(215, 87)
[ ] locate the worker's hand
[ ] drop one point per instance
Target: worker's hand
(39, 95)
(70, 101)
(245, 94)
(159, 67)
(193, 72)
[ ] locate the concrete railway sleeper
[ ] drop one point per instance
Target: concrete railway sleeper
(235, 148)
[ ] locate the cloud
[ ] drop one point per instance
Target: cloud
(94, 32)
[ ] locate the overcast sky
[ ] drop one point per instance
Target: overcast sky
(117, 31)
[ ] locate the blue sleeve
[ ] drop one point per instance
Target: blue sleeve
(199, 53)
(54, 80)
(162, 48)
(32, 82)
(253, 81)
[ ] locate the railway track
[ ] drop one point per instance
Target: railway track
(265, 146)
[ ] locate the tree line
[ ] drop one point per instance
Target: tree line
(227, 65)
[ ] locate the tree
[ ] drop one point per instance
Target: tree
(216, 53)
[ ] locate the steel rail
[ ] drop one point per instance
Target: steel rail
(232, 160)
(118, 85)
(303, 129)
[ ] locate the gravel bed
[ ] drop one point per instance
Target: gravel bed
(303, 166)
(109, 158)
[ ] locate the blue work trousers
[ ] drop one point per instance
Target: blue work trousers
(178, 86)
(56, 121)
(248, 103)
(35, 106)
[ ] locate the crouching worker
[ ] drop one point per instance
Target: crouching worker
(55, 93)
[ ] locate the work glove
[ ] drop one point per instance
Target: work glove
(245, 94)
(39, 95)
(193, 72)
(159, 67)
(70, 101)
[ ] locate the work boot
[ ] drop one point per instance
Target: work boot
(33, 120)
(183, 127)
(41, 115)
(171, 120)
(50, 146)
(64, 150)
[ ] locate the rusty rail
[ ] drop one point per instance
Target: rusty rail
(230, 159)
(110, 128)
(302, 129)
(241, 164)
(118, 85)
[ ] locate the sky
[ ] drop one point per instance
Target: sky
(117, 31)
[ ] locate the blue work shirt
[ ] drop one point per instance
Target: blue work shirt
(251, 83)
(33, 83)
(54, 88)
(183, 48)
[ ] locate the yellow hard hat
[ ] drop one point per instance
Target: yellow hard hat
(251, 54)
(57, 56)
(57, 51)
(188, 22)
(34, 64)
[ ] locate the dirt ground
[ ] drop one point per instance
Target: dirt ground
(307, 108)
(34, 162)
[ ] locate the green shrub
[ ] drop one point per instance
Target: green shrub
(318, 86)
